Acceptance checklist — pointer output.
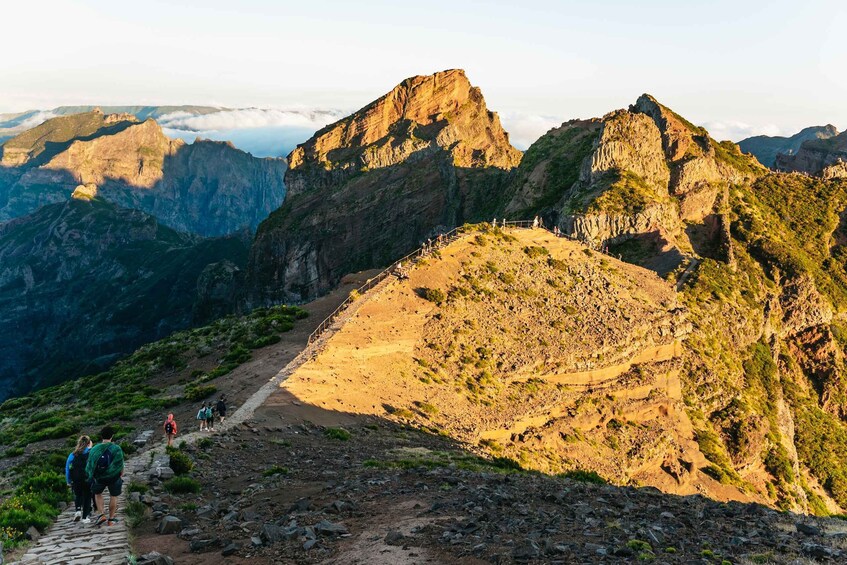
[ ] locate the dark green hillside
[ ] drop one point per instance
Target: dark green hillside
(83, 283)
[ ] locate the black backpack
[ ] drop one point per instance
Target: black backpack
(104, 462)
(78, 468)
(169, 427)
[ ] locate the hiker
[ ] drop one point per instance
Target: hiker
(494, 223)
(77, 480)
(210, 418)
(170, 429)
(201, 415)
(221, 409)
(535, 222)
(400, 272)
(104, 470)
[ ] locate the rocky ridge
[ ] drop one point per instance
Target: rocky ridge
(824, 157)
(645, 171)
(427, 156)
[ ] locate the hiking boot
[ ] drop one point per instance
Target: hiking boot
(77, 516)
(112, 521)
(101, 519)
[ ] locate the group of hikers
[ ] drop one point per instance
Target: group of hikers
(206, 414)
(90, 470)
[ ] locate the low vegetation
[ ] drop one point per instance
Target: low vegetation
(43, 426)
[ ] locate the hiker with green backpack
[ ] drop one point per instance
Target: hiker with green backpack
(77, 479)
(104, 469)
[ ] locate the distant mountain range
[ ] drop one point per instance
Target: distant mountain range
(766, 148)
(206, 188)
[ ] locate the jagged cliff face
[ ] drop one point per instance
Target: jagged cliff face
(440, 112)
(83, 282)
(824, 157)
(365, 190)
(635, 172)
(207, 188)
(766, 148)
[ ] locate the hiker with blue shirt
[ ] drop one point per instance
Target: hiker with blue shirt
(201, 416)
(77, 479)
(104, 470)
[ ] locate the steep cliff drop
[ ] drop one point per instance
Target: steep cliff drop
(367, 189)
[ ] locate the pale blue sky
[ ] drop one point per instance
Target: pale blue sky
(734, 66)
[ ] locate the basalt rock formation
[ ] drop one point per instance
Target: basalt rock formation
(207, 188)
(641, 172)
(766, 148)
(427, 156)
(824, 157)
(84, 282)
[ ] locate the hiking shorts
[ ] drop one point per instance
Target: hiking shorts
(114, 487)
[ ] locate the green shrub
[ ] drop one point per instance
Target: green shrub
(180, 462)
(337, 433)
(140, 488)
(426, 408)
(275, 470)
(205, 443)
(264, 341)
(556, 264)
(534, 251)
(584, 476)
(434, 295)
(194, 393)
(135, 513)
(182, 485)
(13, 452)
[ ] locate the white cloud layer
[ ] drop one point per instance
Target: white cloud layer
(243, 118)
(525, 128)
(263, 132)
(736, 131)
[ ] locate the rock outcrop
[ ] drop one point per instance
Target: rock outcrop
(369, 188)
(207, 188)
(645, 170)
(766, 148)
(825, 157)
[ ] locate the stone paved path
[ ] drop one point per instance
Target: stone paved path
(76, 544)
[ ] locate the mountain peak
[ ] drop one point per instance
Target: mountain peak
(442, 111)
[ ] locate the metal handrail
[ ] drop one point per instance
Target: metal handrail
(435, 243)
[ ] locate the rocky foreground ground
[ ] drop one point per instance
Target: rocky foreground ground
(276, 492)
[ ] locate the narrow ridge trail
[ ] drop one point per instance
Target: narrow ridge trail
(73, 543)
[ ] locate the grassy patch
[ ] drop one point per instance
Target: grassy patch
(337, 433)
(275, 470)
(182, 485)
(584, 476)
